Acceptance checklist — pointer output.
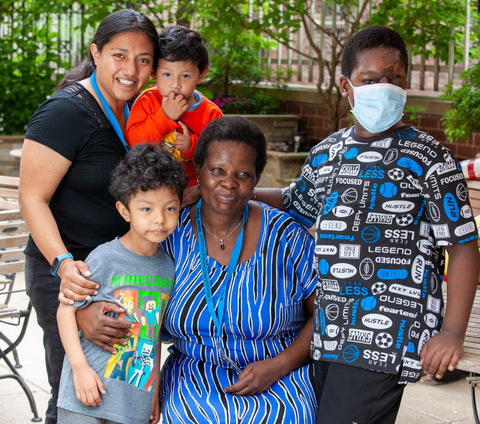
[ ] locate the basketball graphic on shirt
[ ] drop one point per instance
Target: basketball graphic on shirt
(462, 192)
(388, 190)
(350, 195)
(332, 311)
(370, 234)
(368, 303)
(350, 353)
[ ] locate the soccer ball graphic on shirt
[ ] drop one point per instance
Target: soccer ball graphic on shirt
(384, 340)
(404, 220)
(396, 174)
(378, 288)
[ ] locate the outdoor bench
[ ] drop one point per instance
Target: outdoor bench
(470, 360)
(13, 238)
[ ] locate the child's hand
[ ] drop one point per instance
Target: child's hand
(87, 386)
(154, 409)
(440, 353)
(183, 141)
(174, 105)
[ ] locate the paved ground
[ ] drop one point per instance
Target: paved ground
(423, 403)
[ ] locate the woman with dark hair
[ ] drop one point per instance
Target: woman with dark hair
(72, 143)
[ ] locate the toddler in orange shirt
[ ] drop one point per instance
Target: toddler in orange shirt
(174, 112)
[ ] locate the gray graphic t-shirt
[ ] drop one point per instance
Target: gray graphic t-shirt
(384, 208)
(142, 285)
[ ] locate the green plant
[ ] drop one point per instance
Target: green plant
(34, 55)
(335, 22)
(413, 113)
(27, 77)
(463, 116)
(249, 100)
(236, 69)
(429, 36)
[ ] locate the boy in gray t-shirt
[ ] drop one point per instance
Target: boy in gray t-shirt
(136, 273)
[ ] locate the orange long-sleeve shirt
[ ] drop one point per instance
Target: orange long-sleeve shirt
(148, 123)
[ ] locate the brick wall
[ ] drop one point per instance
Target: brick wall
(314, 118)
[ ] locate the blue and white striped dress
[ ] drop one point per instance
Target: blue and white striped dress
(263, 315)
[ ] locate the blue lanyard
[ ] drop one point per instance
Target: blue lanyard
(108, 110)
(231, 267)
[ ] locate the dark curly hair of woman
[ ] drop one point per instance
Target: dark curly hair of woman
(147, 167)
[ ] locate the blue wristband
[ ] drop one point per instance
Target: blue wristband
(57, 261)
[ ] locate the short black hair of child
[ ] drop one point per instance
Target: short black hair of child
(368, 38)
(179, 43)
(232, 128)
(147, 167)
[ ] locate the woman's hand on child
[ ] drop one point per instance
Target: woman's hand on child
(74, 285)
(440, 353)
(102, 330)
(174, 105)
(183, 141)
(88, 386)
(256, 378)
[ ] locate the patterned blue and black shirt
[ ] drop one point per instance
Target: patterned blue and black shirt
(384, 208)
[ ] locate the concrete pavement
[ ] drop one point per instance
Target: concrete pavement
(426, 402)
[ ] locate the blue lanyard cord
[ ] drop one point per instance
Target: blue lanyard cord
(108, 110)
(217, 319)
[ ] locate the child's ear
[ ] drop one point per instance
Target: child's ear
(123, 210)
(202, 75)
(153, 74)
(344, 86)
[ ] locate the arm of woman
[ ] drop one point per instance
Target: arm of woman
(259, 376)
(103, 330)
(41, 171)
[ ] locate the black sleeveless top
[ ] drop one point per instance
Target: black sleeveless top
(72, 123)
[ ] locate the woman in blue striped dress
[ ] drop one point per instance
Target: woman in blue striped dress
(240, 316)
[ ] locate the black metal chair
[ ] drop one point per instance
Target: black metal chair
(13, 238)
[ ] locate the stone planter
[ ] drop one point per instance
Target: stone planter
(277, 128)
(282, 168)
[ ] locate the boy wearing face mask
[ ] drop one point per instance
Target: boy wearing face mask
(387, 201)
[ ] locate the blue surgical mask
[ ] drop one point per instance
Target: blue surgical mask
(378, 107)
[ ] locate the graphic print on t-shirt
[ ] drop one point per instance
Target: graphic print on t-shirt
(134, 363)
(384, 210)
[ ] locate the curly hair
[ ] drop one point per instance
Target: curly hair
(179, 43)
(147, 167)
(368, 38)
(232, 128)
